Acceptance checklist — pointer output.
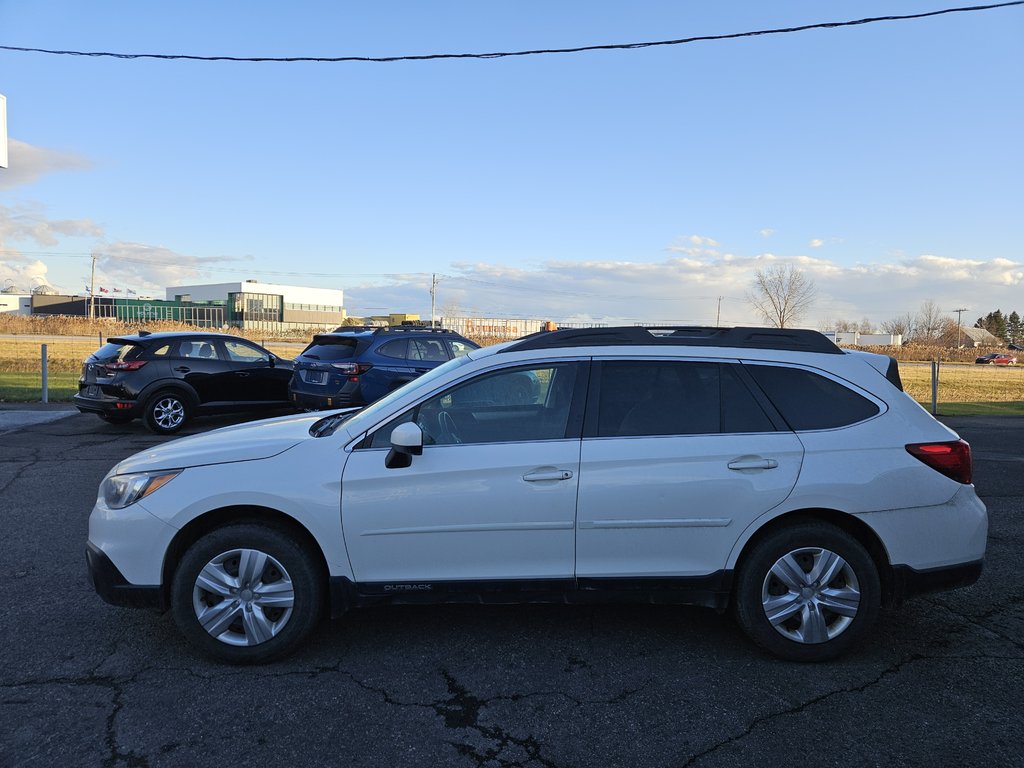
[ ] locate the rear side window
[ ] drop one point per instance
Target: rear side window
(396, 349)
(331, 349)
(646, 398)
(807, 400)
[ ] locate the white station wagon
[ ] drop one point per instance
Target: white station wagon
(760, 470)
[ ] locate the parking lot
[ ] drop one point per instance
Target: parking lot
(84, 683)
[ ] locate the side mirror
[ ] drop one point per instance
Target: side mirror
(272, 362)
(406, 442)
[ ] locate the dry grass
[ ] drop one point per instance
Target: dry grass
(958, 383)
(965, 383)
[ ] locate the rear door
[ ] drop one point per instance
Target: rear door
(678, 457)
(198, 361)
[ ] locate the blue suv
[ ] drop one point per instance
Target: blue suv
(357, 365)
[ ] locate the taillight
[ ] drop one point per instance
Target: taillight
(952, 459)
(351, 369)
(126, 365)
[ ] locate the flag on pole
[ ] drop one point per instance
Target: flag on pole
(88, 289)
(104, 290)
(131, 292)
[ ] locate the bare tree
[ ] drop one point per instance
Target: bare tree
(782, 295)
(904, 326)
(930, 322)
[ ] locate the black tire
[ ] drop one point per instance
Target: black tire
(815, 620)
(115, 418)
(166, 412)
(287, 565)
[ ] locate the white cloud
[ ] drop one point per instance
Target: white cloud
(150, 268)
(816, 243)
(767, 232)
(27, 163)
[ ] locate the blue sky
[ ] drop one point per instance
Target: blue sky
(884, 160)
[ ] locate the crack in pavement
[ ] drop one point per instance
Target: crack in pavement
(115, 685)
(29, 461)
(977, 620)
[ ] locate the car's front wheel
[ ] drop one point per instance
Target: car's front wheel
(247, 594)
(166, 412)
(808, 592)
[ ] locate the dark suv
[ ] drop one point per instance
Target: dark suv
(165, 378)
(355, 366)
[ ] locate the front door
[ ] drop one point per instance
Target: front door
(492, 498)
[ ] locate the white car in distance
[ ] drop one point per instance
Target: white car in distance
(761, 470)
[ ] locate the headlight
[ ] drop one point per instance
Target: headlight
(119, 491)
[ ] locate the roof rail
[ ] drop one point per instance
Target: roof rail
(792, 339)
(416, 328)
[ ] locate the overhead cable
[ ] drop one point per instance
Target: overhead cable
(508, 54)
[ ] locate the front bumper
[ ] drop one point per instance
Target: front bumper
(113, 587)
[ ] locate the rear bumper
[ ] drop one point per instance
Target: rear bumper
(113, 587)
(907, 582)
(106, 406)
(320, 400)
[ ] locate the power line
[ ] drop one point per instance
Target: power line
(508, 54)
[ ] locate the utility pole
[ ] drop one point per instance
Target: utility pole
(92, 290)
(433, 296)
(718, 317)
(959, 312)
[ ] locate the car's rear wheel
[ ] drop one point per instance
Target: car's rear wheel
(808, 592)
(166, 412)
(247, 594)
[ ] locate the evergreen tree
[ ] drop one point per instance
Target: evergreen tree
(1014, 330)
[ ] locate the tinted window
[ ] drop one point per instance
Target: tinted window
(427, 349)
(243, 353)
(460, 348)
(396, 349)
(664, 397)
(324, 348)
(809, 401)
(506, 406)
(198, 349)
(112, 351)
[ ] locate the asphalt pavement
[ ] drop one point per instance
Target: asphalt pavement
(83, 683)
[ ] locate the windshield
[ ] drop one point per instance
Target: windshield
(368, 415)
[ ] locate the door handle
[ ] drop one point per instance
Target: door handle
(183, 369)
(556, 474)
(753, 464)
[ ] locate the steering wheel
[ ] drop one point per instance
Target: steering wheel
(448, 429)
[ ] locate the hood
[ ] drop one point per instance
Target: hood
(243, 442)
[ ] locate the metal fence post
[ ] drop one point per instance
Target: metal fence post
(46, 376)
(935, 387)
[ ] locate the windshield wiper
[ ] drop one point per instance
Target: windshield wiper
(327, 425)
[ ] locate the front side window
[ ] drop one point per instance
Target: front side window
(243, 353)
(460, 348)
(512, 405)
(431, 350)
(646, 398)
(808, 400)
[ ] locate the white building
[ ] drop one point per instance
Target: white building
(16, 303)
(269, 306)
